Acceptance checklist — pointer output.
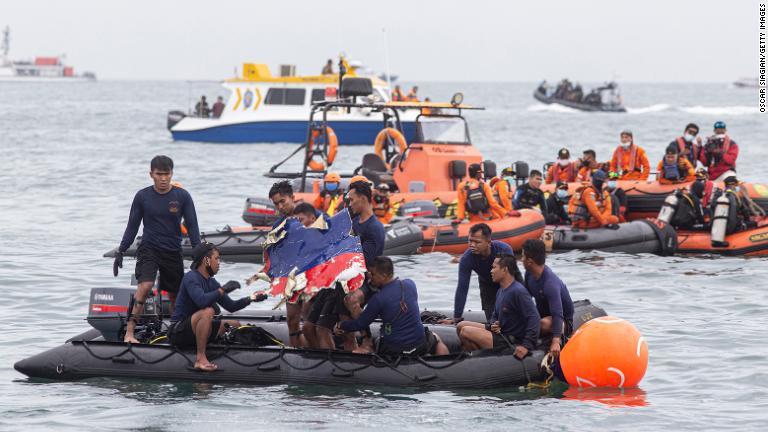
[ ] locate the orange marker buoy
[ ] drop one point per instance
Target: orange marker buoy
(605, 352)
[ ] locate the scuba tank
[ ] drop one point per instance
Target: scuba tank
(668, 209)
(720, 221)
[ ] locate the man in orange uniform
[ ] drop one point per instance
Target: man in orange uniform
(629, 159)
(675, 169)
(381, 206)
(590, 206)
(502, 188)
(589, 164)
(563, 169)
(476, 198)
(331, 199)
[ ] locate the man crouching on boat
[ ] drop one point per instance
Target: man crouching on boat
(402, 332)
(193, 320)
(515, 321)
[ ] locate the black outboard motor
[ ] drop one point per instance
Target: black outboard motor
(174, 117)
(108, 310)
(260, 212)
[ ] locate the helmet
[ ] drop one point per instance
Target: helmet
(358, 178)
(719, 125)
(332, 177)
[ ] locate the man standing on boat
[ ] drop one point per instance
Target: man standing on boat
(328, 68)
(218, 107)
(160, 208)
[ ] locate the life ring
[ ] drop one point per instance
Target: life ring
(331, 141)
(378, 146)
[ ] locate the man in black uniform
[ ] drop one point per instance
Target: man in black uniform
(530, 195)
(161, 208)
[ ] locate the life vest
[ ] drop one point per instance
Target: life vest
(477, 202)
(577, 209)
(530, 197)
(682, 145)
(332, 204)
(570, 172)
(632, 158)
(670, 171)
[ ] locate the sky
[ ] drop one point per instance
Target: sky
(503, 40)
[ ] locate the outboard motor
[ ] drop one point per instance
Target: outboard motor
(720, 221)
(174, 117)
(419, 208)
(260, 212)
(108, 310)
(668, 209)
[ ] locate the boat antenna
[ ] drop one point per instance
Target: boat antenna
(6, 40)
(386, 58)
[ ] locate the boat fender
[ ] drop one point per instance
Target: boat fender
(666, 235)
(332, 143)
(668, 209)
(720, 221)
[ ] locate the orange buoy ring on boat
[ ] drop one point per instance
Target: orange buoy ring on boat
(605, 352)
(378, 145)
(333, 146)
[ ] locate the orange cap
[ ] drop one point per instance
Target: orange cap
(332, 177)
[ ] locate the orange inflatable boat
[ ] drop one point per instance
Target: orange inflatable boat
(751, 242)
(440, 236)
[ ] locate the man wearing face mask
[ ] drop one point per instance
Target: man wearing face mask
(618, 197)
(719, 154)
(590, 206)
(689, 145)
(674, 168)
(331, 199)
(381, 206)
(193, 323)
(474, 197)
(502, 188)
(629, 159)
(589, 164)
(563, 169)
(557, 206)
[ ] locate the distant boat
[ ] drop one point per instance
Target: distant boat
(746, 83)
(41, 69)
(605, 98)
(263, 108)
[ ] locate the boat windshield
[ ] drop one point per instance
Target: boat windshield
(443, 130)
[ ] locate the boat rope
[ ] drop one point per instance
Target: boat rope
(129, 349)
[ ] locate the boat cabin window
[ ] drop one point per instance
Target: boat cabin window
(318, 95)
(442, 130)
(285, 96)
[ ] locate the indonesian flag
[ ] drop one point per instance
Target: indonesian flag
(304, 260)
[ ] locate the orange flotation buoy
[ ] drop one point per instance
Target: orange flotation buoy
(381, 138)
(605, 352)
(333, 143)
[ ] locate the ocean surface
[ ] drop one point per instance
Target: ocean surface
(73, 155)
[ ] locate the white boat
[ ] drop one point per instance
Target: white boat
(41, 69)
(262, 108)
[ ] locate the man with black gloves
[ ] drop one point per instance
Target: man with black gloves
(161, 208)
(193, 321)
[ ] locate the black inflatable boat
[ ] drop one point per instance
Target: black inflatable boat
(97, 353)
(541, 97)
(243, 244)
(640, 236)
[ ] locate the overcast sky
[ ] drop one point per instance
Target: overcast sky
(470, 40)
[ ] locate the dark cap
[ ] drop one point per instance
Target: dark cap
(474, 169)
(599, 175)
(731, 180)
(563, 154)
(561, 185)
(199, 252)
(383, 186)
(672, 150)
(626, 132)
(719, 125)
(508, 171)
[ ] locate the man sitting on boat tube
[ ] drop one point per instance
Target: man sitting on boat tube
(475, 197)
(515, 321)
(398, 307)
(590, 206)
(193, 323)
(629, 159)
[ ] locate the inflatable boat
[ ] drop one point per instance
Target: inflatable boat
(751, 242)
(581, 106)
(98, 353)
(640, 236)
(244, 244)
(440, 235)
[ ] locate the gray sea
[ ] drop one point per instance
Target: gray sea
(73, 155)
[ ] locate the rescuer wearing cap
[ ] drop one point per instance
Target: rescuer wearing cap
(331, 199)
(629, 159)
(563, 169)
(590, 206)
(719, 154)
(675, 168)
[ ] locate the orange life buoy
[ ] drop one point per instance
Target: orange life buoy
(333, 143)
(378, 146)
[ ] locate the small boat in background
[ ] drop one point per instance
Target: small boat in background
(605, 98)
(746, 83)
